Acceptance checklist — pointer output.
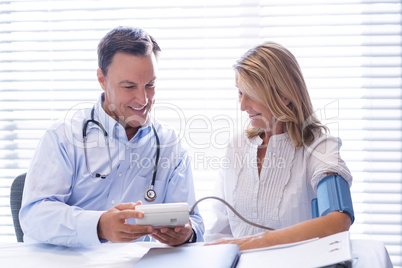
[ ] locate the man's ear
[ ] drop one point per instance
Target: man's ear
(101, 78)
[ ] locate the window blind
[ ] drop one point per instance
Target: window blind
(349, 51)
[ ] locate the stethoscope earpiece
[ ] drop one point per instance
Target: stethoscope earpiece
(150, 195)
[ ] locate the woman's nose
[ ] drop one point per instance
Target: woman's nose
(244, 102)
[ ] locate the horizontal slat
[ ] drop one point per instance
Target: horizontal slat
(307, 64)
(314, 85)
(184, 8)
(194, 73)
(338, 35)
(79, 4)
(80, 24)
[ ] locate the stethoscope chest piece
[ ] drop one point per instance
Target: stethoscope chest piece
(150, 195)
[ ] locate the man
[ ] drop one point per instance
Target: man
(88, 170)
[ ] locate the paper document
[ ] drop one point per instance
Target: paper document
(280, 246)
(311, 253)
(215, 256)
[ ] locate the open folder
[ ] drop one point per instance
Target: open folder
(330, 251)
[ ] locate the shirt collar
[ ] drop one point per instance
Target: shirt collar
(113, 128)
(257, 141)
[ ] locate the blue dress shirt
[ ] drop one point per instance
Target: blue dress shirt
(62, 202)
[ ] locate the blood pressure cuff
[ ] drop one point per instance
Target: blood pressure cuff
(333, 194)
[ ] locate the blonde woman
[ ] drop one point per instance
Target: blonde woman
(278, 163)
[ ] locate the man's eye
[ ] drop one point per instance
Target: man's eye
(150, 85)
(129, 87)
(240, 93)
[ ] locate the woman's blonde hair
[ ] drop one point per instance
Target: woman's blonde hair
(269, 72)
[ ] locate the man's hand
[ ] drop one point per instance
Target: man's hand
(173, 236)
(112, 224)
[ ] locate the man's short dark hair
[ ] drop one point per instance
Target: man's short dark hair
(128, 40)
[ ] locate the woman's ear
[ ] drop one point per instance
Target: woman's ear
(286, 101)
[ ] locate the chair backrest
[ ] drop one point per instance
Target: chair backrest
(17, 187)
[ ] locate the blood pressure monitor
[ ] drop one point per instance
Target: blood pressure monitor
(164, 215)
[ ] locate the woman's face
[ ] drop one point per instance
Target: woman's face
(260, 115)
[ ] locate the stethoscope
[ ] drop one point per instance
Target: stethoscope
(149, 194)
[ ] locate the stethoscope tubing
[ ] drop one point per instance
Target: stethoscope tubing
(149, 194)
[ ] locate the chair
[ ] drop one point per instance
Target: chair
(16, 190)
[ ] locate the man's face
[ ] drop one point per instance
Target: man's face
(129, 89)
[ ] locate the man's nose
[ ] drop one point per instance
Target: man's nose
(141, 97)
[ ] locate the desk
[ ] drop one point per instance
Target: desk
(367, 253)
